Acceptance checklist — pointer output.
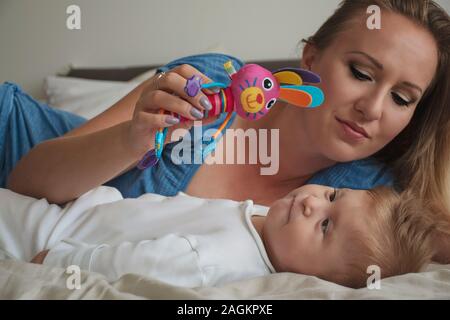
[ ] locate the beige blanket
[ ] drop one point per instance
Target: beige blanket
(19, 280)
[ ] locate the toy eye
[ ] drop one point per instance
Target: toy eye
(267, 84)
(270, 103)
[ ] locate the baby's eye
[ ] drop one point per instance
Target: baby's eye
(333, 195)
(359, 75)
(324, 225)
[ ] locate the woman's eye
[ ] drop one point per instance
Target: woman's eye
(399, 100)
(333, 195)
(324, 225)
(359, 75)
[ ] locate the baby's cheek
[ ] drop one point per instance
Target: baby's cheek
(278, 207)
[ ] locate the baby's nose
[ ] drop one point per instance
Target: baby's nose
(309, 205)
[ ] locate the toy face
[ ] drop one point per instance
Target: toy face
(255, 91)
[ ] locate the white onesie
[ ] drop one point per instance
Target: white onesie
(181, 240)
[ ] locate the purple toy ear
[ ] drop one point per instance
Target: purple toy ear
(307, 76)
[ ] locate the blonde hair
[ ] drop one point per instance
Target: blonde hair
(400, 238)
(419, 156)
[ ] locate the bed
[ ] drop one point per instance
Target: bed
(90, 91)
(20, 280)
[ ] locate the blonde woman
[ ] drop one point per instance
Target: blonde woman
(385, 120)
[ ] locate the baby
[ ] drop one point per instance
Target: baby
(334, 234)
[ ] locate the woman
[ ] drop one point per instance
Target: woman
(386, 95)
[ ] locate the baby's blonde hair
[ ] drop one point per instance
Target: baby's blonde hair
(400, 237)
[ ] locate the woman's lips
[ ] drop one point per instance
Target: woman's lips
(353, 131)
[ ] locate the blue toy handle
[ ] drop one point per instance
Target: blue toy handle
(152, 157)
(148, 160)
(213, 85)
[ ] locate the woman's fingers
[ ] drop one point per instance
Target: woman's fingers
(158, 99)
(179, 91)
(156, 120)
(187, 71)
(178, 85)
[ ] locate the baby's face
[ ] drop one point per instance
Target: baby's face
(308, 230)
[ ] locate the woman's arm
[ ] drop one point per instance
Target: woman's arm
(64, 168)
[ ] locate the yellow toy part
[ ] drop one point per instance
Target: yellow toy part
(288, 77)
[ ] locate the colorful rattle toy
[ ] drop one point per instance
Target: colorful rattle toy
(251, 94)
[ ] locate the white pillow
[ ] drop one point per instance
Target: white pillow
(144, 76)
(89, 98)
(85, 97)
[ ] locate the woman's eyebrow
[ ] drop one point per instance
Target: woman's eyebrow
(412, 86)
(379, 65)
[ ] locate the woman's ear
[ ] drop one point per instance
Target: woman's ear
(309, 56)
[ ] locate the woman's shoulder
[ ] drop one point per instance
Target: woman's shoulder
(366, 173)
(210, 64)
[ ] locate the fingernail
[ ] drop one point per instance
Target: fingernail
(196, 113)
(204, 101)
(172, 120)
(215, 89)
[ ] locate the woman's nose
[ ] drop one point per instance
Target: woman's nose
(371, 107)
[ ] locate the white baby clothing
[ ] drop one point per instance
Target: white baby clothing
(181, 240)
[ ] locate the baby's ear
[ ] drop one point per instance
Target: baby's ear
(295, 76)
(441, 242)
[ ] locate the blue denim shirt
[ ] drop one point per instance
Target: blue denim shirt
(25, 122)
(167, 178)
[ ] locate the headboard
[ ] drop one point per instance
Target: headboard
(128, 73)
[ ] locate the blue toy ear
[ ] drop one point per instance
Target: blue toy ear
(295, 76)
(302, 96)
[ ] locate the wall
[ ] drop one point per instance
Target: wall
(35, 42)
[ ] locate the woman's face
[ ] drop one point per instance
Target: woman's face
(372, 81)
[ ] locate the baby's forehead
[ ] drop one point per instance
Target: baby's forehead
(360, 196)
(357, 207)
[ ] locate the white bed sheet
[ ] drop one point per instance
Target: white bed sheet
(22, 280)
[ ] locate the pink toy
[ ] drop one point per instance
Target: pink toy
(252, 93)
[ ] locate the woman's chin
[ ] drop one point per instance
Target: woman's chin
(340, 152)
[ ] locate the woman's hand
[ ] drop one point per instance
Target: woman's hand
(39, 258)
(165, 92)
